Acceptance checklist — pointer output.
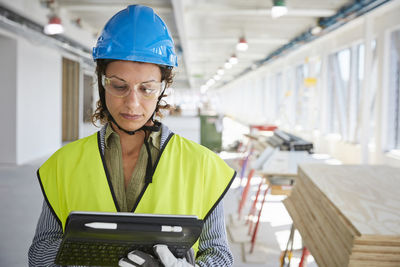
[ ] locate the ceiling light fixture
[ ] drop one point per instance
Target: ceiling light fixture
(217, 77)
(54, 26)
(316, 30)
(242, 45)
(233, 59)
(210, 82)
(279, 9)
(203, 89)
(227, 65)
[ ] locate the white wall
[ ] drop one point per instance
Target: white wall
(31, 91)
(39, 102)
(8, 55)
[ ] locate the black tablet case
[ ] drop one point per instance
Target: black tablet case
(82, 245)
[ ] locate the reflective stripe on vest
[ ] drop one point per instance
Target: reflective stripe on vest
(188, 179)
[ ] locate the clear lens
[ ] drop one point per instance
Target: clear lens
(119, 88)
(149, 89)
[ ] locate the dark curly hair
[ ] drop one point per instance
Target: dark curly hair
(101, 112)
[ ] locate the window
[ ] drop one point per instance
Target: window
(355, 93)
(279, 93)
(290, 100)
(312, 86)
(299, 112)
(374, 89)
(270, 105)
(339, 74)
(346, 75)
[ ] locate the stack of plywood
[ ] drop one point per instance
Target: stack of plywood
(348, 215)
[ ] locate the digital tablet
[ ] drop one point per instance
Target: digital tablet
(102, 238)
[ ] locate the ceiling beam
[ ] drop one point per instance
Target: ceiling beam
(180, 22)
(215, 56)
(261, 41)
(209, 11)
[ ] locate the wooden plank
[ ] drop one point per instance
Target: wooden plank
(359, 263)
(378, 240)
(329, 240)
(336, 242)
(328, 208)
(368, 196)
(306, 232)
(374, 248)
(325, 208)
(379, 257)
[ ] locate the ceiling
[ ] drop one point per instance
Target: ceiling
(206, 31)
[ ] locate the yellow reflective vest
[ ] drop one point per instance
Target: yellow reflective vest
(188, 179)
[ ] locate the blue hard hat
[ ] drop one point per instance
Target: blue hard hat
(136, 33)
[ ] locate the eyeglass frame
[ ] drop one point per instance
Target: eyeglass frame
(135, 86)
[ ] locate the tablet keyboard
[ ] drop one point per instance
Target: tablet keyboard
(103, 253)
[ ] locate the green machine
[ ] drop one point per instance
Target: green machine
(211, 132)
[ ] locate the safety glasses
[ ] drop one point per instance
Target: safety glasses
(120, 88)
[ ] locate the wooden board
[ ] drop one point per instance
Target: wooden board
(368, 196)
(335, 240)
(322, 207)
(306, 232)
(328, 209)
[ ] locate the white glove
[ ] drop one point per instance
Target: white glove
(139, 258)
(168, 259)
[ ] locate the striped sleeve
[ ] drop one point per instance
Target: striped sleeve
(46, 241)
(213, 245)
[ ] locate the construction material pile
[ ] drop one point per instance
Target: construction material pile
(348, 215)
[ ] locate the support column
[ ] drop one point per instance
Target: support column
(366, 116)
(8, 100)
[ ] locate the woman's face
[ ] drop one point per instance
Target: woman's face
(132, 111)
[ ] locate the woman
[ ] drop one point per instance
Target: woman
(134, 163)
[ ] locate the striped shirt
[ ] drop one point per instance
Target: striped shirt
(213, 246)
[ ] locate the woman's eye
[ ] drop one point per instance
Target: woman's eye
(146, 89)
(119, 87)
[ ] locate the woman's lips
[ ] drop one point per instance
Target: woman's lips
(131, 117)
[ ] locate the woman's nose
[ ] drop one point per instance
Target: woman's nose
(133, 98)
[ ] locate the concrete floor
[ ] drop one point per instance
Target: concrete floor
(20, 206)
(21, 201)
